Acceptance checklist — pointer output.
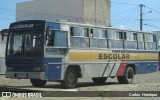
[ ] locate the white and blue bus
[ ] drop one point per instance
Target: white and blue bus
(43, 51)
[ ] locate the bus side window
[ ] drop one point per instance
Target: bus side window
(140, 40)
(115, 39)
(130, 41)
(72, 31)
(91, 32)
(79, 37)
(125, 36)
(120, 35)
(135, 36)
(150, 42)
(98, 39)
(50, 38)
(154, 38)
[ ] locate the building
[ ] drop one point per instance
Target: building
(89, 11)
(2, 51)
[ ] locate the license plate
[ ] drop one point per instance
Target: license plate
(21, 75)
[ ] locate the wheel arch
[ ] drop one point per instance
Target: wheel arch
(77, 68)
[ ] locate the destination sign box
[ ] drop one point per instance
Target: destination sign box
(27, 25)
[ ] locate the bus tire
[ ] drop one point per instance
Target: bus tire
(128, 77)
(38, 82)
(100, 80)
(70, 79)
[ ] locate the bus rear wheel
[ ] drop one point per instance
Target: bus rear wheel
(38, 82)
(128, 77)
(70, 79)
(100, 80)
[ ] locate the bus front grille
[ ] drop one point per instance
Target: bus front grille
(23, 65)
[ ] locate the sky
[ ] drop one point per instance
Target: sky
(124, 13)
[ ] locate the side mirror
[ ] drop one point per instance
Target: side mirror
(2, 35)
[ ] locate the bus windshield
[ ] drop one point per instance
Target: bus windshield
(25, 43)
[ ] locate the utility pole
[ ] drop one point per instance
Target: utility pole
(141, 17)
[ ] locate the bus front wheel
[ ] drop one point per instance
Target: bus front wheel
(100, 80)
(128, 77)
(70, 79)
(38, 82)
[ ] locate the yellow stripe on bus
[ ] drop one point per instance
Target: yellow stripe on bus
(83, 56)
(151, 56)
(79, 56)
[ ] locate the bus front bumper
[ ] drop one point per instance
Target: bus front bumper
(25, 75)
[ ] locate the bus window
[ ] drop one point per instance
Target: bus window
(150, 42)
(50, 38)
(98, 39)
(130, 40)
(140, 38)
(113, 34)
(60, 39)
(154, 38)
(56, 43)
(79, 31)
(115, 39)
(135, 36)
(79, 37)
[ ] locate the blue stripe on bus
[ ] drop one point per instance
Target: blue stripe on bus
(105, 69)
(112, 69)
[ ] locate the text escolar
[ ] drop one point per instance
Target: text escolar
(114, 56)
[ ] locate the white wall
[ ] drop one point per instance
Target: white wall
(50, 9)
(91, 11)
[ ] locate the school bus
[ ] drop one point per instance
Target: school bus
(61, 51)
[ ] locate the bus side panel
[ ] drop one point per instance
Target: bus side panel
(53, 68)
(152, 61)
(141, 68)
(113, 68)
(53, 72)
(91, 70)
(152, 67)
(146, 67)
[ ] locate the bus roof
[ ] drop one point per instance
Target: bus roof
(81, 24)
(103, 27)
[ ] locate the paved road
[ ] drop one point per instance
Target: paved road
(146, 82)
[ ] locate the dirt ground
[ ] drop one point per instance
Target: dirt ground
(144, 82)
